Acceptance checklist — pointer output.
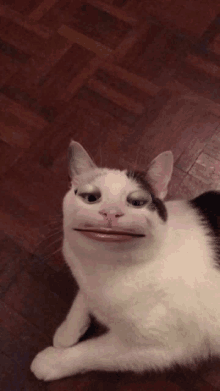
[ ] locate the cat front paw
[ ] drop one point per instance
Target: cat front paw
(47, 365)
(63, 339)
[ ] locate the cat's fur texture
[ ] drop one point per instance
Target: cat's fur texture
(159, 294)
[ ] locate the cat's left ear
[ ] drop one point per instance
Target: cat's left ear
(79, 160)
(160, 172)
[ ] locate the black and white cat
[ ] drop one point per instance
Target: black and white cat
(146, 269)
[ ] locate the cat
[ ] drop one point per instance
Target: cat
(147, 269)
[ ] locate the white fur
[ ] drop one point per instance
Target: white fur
(158, 295)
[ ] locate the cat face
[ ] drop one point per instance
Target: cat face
(113, 206)
(109, 200)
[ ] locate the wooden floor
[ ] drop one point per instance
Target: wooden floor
(128, 79)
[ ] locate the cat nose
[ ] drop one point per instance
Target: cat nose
(111, 213)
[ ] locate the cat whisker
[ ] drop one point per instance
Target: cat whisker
(57, 232)
(54, 232)
(55, 241)
(136, 160)
(100, 151)
(53, 224)
(55, 252)
(55, 218)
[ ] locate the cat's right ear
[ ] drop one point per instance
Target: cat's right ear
(78, 160)
(160, 172)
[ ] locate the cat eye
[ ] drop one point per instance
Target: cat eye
(139, 198)
(89, 193)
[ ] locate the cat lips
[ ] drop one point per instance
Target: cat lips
(109, 235)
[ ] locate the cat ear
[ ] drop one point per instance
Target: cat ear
(79, 160)
(160, 173)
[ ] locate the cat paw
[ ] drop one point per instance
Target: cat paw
(47, 365)
(66, 336)
(63, 339)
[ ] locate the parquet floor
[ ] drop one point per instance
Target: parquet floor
(128, 79)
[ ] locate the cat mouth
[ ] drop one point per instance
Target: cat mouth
(109, 235)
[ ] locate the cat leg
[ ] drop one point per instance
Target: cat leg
(75, 324)
(102, 353)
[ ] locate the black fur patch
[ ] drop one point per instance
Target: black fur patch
(208, 206)
(157, 204)
(140, 178)
(161, 208)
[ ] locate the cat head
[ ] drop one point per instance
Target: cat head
(108, 202)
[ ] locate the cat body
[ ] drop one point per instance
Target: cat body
(146, 269)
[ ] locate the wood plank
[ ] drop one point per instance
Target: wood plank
(206, 66)
(18, 18)
(43, 7)
(139, 82)
(114, 11)
(88, 43)
(122, 100)
(206, 169)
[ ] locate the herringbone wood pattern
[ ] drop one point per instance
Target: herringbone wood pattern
(128, 79)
